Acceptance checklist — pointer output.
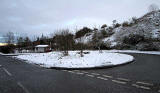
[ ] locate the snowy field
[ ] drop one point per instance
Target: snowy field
(91, 60)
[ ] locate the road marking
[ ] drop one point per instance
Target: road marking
(116, 81)
(144, 83)
(107, 76)
(0, 65)
(158, 90)
(19, 83)
(80, 73)
(143, 87)
(95, 73)
(135, 85)
(123, 79)
(7, 72)
(102, 78)
(71, 72)
(89, 75)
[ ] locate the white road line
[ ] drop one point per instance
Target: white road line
(107, 76)
(0, 65)
(123, 79)
(7, 72)
(116, 81)
(158, 90)
(95, 74)
(102, 78)
(89, 75)
(79, 73)
(144, 83)
(135, 85)
(143, 87)
(19, 83)
(71, 72)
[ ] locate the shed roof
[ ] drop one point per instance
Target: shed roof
(42, 46)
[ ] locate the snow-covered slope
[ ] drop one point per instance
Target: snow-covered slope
(85, 39)
(147, 26)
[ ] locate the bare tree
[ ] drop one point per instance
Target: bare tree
(20, 41)
(9, 38)
(114, 22)
(27, 41)
(153, 7)
(81, 36)
(97, 40)
(64, 40)
(81, 43)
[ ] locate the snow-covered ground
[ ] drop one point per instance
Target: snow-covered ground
(91, 60)
(133, 51)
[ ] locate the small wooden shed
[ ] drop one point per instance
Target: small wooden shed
(42, 48)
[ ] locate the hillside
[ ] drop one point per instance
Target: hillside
(145, 31)
(142, 34)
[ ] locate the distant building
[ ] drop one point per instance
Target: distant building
(42, 48)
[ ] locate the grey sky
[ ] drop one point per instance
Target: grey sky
(44, 16)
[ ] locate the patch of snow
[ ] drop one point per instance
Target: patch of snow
(113, 44)
(93, 59)
(156, 33)
(117, 29)
(85, 39)
(109, 39)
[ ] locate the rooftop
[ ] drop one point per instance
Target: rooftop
(42, 46)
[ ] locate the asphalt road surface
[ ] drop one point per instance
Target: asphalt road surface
(141, 76)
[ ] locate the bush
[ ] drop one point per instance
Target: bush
(64, 41)
(104, 33)
(7, 49)
(133, 39)
(125, 24)
(82, 32)
(103, 26)
(122, 46)
(147, 46)
(117, 25)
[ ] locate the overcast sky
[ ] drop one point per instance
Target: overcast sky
(45, 16)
